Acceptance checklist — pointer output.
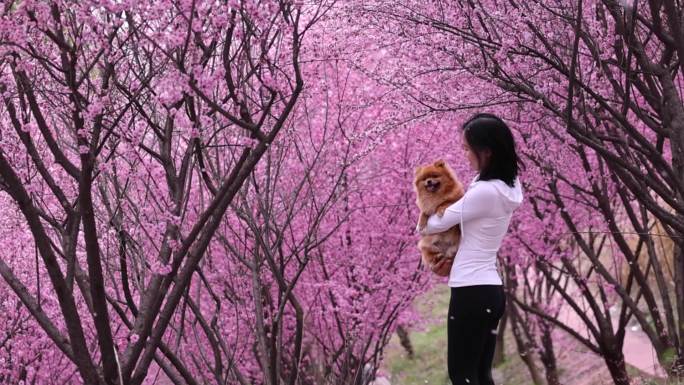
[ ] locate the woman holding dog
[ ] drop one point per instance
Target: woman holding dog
(477, 299)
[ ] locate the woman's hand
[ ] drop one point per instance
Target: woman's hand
(420, 230)
(443, 266)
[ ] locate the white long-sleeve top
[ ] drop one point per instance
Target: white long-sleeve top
(484, 213)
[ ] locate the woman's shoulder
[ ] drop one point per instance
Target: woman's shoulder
(483, 188)
(496, 188)
(494, 182)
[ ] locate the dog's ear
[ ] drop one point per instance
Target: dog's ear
(418, 170)
(439, 163)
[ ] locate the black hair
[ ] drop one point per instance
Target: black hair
(487, 131)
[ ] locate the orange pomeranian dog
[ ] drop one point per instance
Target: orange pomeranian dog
(437, 188)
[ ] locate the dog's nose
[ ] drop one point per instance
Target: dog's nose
(431, 182)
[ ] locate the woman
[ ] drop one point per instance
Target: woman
(484, 212)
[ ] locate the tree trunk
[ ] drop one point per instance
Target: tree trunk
(616, 366)
(525, 348)
(548, 356)
(500, 351)
(405, 341)
(676, 369)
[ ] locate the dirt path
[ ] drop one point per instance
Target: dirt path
(637, 348)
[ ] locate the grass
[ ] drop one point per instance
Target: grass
(430, 349)
(430, 363)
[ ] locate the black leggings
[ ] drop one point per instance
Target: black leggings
(474, 313)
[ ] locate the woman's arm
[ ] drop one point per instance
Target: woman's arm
(475, 203)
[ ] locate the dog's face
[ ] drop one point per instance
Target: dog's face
(435, 178)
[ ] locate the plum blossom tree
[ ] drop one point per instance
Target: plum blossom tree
(112, 106)
(131, 130)
(592, 89)
(222, 190)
